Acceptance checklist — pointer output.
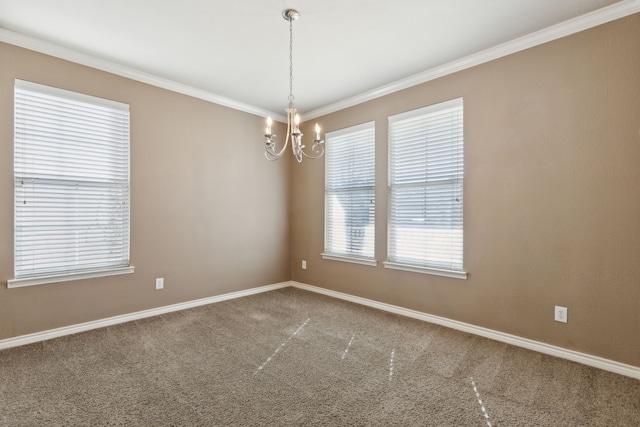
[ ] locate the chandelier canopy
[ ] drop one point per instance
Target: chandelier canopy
(293, 118)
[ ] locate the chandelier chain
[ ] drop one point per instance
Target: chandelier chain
(291, 97)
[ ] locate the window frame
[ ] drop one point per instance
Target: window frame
(400, 263)
(54, 176)
(329, 251)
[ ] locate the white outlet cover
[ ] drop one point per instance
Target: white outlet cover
(160, 283)
(560, 314)
(304, 264)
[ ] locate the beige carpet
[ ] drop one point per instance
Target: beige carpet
(290, 357)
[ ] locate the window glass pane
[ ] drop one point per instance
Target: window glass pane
(350, 192)
(426, 174)
(71, 171)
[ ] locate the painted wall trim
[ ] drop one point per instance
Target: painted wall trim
(574, 356)
(567, 28)
(82, 327)
(66, 277)
(581, 23)
(58, 51)
(585, 359)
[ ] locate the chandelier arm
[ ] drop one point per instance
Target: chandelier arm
(286, 143)
(274, 156)
(317, 148)
(271, 155)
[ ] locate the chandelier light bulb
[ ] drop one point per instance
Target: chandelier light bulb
(296, 122)
(269, 123)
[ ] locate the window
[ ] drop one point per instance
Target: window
(71, 174)
(426, 175)
(350, 194)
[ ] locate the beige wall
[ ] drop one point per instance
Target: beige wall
(208, 212)
(551, 197)
(552, 208)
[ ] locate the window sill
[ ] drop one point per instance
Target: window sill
(55, 278)
(426, 270)
(346, 258)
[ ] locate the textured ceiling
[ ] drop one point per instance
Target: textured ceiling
(240, 49)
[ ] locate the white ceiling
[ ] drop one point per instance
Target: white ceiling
(240, 49)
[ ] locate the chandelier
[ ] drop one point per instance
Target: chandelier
(293, 118)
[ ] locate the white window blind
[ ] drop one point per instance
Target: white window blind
(71, 170)
(426, 172)
(350, 192)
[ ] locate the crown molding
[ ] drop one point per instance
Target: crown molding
(71, 55)
(572, 26)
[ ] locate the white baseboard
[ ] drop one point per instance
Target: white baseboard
(74, 329)
(585, 359)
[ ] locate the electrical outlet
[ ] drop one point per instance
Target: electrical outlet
(160, 283)
(561, 314)
(304, 264)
